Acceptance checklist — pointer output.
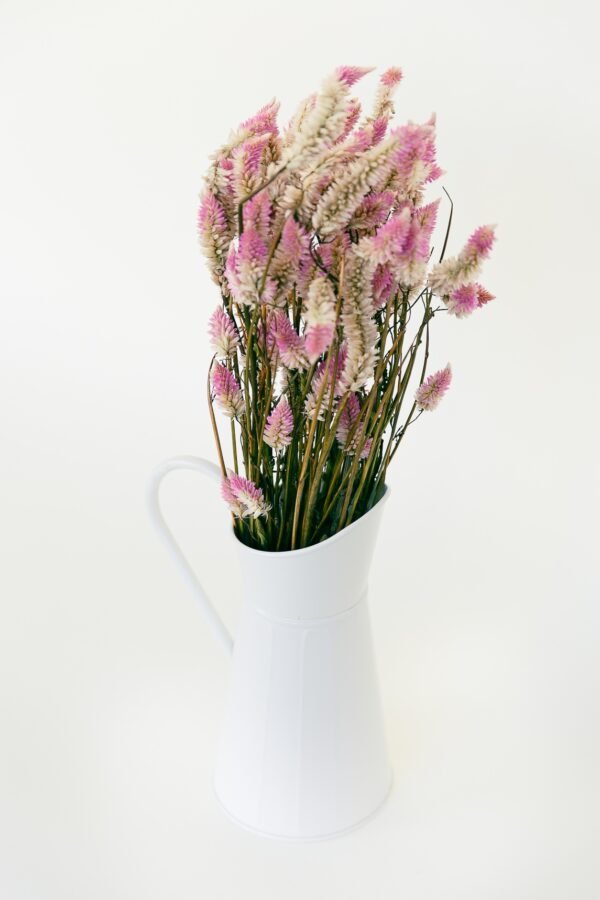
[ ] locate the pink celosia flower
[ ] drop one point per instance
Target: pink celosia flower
(426, 217)
(245, 499)
(391, 77)
(388, 82)
(480, 243)
(291, 259)
(378, 130)
(290, 345)
(411, 263)
(245, 270)
(388, 243)
(265, 120)
(227, 392)
(451, 273)
(415, 158)
(230, 497)
(249, 165)
(223, 334)
(319, 314)
(349, 75)
(257, 215)
(463, 300)
(359, 141)
(349, 434)
(434, 387)
(483, 295)
(279, 427)
(214, 234)
(317, 339)
(372, 212)
(352, 117)
(337, 229)
(383, 285)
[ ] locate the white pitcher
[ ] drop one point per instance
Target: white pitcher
(303, 753)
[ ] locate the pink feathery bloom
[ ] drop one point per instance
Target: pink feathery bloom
(349, 435)
(378, 130)
(373, 211)
(411, 263)
(294, 244)
(354, 110)
(227, 391)
(279, 427)
(213, 231)
(265, 120)
(332, 252)
(319, 314)
(426, 217)
(388, 82)
(257, 215)
(452, 273)
(361, 140)
(349, 75)
(223, 334)
(291, 259)
(252, 248)
(415, 158)
(483, 295)
(245, 270)
(317, 339)
(290, 345)
(391, 77)
(463, 300)
(245, 499)
(230, 497)
(480, 243)
(434, 387)
(371, 134)
(388, 243)
(249, 165)
(383, 285)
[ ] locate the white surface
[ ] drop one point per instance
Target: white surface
(484, 584)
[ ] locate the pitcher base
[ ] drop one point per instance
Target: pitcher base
(302, 839)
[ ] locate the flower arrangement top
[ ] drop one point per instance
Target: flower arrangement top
(319, 238)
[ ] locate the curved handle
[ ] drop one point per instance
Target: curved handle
(196, 464)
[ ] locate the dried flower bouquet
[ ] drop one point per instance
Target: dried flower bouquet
(320, 242)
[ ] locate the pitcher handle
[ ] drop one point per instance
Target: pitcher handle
(195, 464)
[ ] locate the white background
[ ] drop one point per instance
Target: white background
(484, 588)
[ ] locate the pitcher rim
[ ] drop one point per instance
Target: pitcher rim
(314, 547)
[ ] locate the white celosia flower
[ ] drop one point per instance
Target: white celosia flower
(319, 314)
(319, 308)
(360, 330)
(448, 275)
(339, 202)
(320, 125)
(297, 119)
